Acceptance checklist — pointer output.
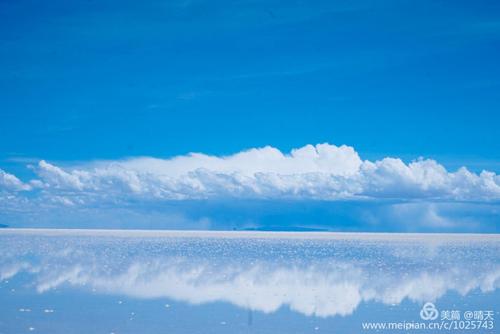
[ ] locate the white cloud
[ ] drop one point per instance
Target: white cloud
(321, 172)
(10, 183)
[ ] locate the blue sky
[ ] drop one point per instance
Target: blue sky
(106, 80)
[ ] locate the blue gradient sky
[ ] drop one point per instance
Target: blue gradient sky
(85, 81)
(107, 79)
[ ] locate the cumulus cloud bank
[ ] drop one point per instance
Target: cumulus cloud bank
(322, 172)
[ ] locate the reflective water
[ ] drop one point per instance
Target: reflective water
(212, 282)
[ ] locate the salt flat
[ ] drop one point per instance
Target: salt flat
(157, 281)
(249, 234)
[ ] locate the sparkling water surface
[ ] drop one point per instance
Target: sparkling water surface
(84, 281)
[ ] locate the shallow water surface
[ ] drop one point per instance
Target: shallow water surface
(77, 281)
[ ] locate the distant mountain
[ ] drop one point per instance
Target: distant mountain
(285, 229)
(3, 225)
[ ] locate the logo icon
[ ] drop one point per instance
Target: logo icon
(429, 312)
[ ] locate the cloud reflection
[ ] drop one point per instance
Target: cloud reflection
(315, 286)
